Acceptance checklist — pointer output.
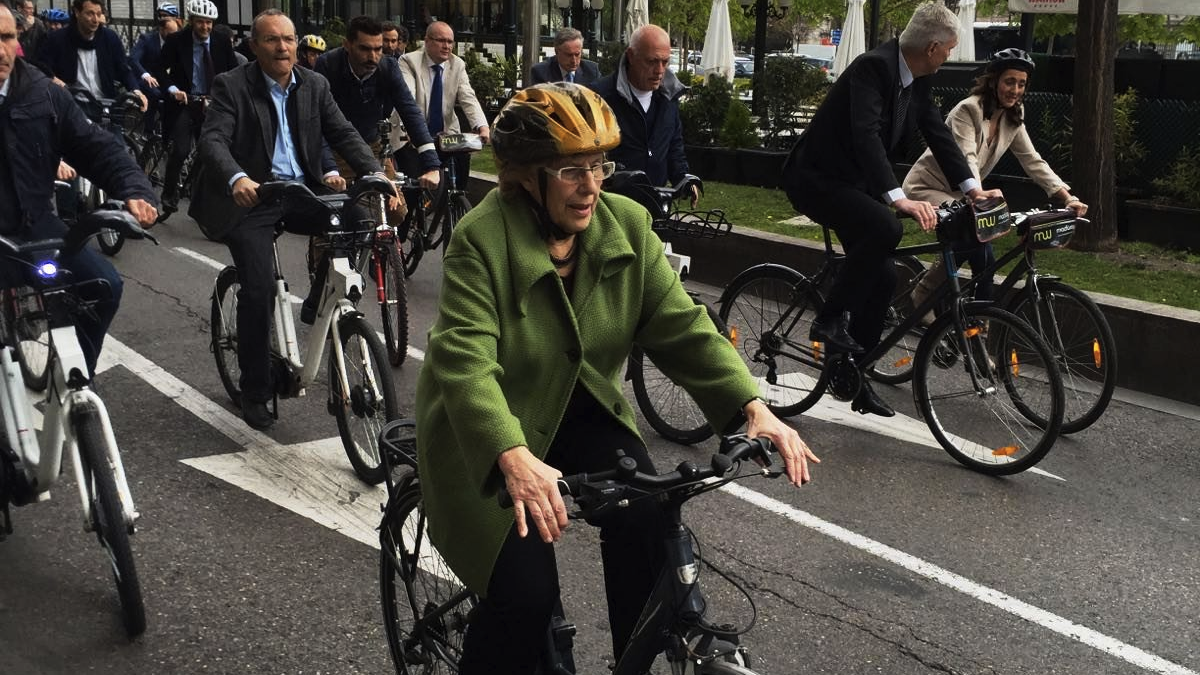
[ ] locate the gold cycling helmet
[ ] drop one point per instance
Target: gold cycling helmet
(314, 42)
(554, 119)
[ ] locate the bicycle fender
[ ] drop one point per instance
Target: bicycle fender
(754, 270)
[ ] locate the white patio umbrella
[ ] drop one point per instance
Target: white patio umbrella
(965, 51)
(636, 16)
(717, 60)
(854, 41)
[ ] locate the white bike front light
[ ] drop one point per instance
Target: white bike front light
(47, 270)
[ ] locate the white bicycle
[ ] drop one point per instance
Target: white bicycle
(361, 395)
(75, 420)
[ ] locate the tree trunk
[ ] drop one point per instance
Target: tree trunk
(1093, 158)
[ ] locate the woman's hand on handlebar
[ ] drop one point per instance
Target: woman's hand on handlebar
(143, 210)
(533, 485)
(796, 455)
(245, 192)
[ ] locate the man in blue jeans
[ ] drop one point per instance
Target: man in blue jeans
(36, 113)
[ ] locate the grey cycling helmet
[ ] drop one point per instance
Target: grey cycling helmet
(1011, 58)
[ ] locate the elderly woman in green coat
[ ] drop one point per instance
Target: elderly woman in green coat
(547, 283)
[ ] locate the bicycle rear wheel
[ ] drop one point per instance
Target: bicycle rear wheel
(370, 401)
(107, 515)
(223, 322)
(393, 301)
(896, 366)
(667, 407)
(412, 242)
(976, 390)
(25, 326)
(1082, 342)
(768, 314)
(425, 606)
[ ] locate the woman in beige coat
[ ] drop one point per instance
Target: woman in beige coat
(986, 124)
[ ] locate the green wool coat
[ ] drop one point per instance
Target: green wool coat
(508, 347)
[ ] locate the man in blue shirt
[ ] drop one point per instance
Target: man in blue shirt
(192, 60)
(367, 87)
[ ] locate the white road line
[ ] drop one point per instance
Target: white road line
(218, 265)
(1065, 627)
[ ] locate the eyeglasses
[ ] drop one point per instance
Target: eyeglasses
(576, 175)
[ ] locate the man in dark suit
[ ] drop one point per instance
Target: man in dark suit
(268, 120)
(192, 60)
(839, 174)
(145, 59)
(568, 63)
(88, 54)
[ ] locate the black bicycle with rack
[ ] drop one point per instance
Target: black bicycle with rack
(667, 407)
(119, 116)
(978, 371)
(1073, 326)
(433, 215)
(427, 610)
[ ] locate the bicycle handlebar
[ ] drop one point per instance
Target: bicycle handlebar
(277, 190)
(599, 491)
(110, 215)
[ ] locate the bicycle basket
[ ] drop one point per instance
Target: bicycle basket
(1052, 229)
(695, 224)
(399, 440)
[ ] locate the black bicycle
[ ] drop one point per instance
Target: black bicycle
(116, 115)
(1074, 328)
(667, 407)
(433, 215)
(985, 382)
(427, 610)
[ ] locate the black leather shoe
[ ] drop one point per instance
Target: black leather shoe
(832, 331)
(868, 401)
(170, 204)
(308, 311)
(256, 415)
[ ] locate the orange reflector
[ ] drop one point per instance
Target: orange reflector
(1014, 364)
(1096, 352)
(733, 335)
(903, 362)
(972, 332)
(817, 350)
(1005, 451)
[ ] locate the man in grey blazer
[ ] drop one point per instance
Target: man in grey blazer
(437, 78)
(267, 120)
(568, 63)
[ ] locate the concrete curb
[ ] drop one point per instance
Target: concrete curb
(1153, 341)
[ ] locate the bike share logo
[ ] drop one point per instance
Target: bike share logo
(1054, 234)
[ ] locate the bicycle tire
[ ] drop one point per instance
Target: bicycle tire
(393, 306)
(1082, 342)
(223, 322)
(790, 381)
(459, 206)
(107, 516)
(667, 407)
(372, 398)
(29, 331)
(412, 242)
(414, 581)
(110, 241)
(896, 366)
(1012, 364)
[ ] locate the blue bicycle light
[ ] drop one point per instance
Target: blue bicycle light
(47, 270)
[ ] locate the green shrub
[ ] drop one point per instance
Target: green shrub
(485, 78)
(1128, 151)
(334, 32)
(738, 131)
(1182, 182)
(787, 86)
(703, 112)
(609, 57)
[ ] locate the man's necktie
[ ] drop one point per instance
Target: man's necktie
(900, 113)
(571, 76)
(206, 59)
(436, 124)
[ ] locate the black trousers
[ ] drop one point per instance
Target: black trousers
(869, 233)
(181, 125)
(508, 630)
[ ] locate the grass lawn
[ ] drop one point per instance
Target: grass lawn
(1139, 271)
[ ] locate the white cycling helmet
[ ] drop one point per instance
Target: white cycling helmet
(204, 9)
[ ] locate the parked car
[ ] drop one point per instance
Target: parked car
(743, 67)
(825, 65)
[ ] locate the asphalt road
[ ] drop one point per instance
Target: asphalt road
(255, 551)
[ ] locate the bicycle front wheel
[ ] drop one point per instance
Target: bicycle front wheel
(368, 402)
(107, 515)
(667, 407)
(425, 606)
(1082, 342)
(768, 314)
(980, 391)
(223, 322)
(412, 245)
(26, 327)
(393, 301)
(896, 366)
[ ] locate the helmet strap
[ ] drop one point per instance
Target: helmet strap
(546, 226)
